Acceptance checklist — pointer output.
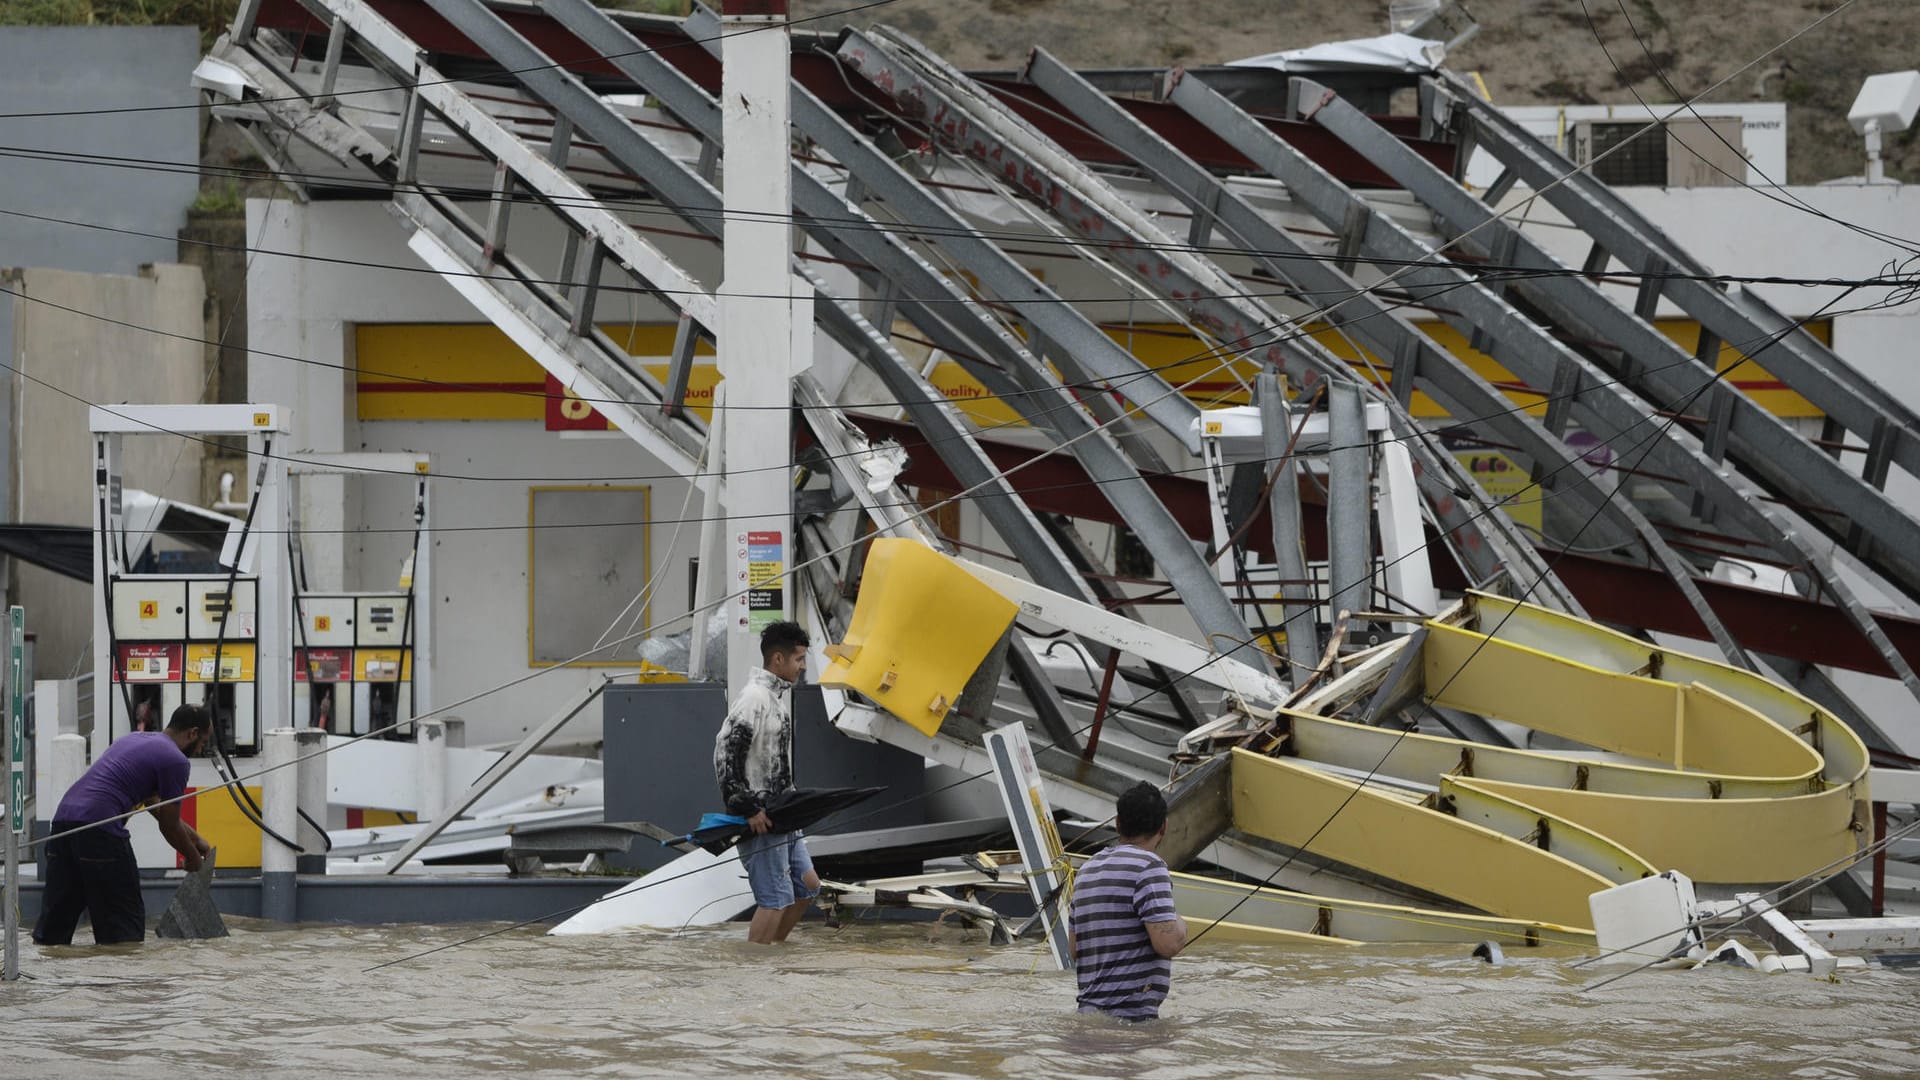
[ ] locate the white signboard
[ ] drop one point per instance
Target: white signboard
(1041, 853)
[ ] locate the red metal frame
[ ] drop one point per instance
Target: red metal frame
(1617, 592)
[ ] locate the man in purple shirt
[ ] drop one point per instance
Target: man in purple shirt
(1123, 926)
(93, 870)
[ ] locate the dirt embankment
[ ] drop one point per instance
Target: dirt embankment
(1528, 51)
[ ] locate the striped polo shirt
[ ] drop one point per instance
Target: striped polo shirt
(1115, 895)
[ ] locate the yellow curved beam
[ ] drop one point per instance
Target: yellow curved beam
(1723, 841)
(1265, 914)
(1720, 757)
(1419, 758)
(1686, 727)
(1845, 755)
(1373, 830)
(1504, 813)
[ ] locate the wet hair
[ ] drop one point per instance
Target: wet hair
(190, 718)
(782, 637)
(1141, 810)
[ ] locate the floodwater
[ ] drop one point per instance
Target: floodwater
(901, 999)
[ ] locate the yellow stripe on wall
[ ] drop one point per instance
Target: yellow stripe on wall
(438, 371)
(1187, 361)
(473, 371)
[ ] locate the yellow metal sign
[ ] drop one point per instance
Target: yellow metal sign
(383, 665)
(235, 663)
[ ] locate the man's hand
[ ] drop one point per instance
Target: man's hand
(197, 850)
(760, 822)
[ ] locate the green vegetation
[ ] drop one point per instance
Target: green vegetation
(224, 198)
(211, 16)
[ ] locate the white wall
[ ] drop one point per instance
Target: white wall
(308, 309)
(1745, 232)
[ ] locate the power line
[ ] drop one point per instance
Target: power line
(651, 207)
(1429, 697)
(920, 512)
(1448, 423)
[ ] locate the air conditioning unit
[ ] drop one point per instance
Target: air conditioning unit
(1686, 152)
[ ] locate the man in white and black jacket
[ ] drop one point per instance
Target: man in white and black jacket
(753, 761)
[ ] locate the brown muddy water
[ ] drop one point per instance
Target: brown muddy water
(885, 1000)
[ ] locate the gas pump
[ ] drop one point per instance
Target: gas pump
(354, 658)
(323, 664)
(189, 606)
(193, 635)
(149, 654)
(354, 671)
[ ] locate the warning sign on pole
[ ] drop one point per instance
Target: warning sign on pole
(766, 570)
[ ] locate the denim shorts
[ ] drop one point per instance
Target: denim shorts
(777, 866)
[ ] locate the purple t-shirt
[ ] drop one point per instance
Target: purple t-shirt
(144, 766)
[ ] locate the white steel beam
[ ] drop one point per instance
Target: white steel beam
(545, 347)
(1784, 935)
(1892, 933)
(1086, 620)
(534, 739)
(188, 419)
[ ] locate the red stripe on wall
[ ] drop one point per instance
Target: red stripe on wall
(453, 388)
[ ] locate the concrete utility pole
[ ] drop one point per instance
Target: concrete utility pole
(766, 323)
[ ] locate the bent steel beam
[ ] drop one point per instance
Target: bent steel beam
(974, 125)
(834, 221)
(1417, 358)
(576, 359)
(1799, 360)
(967, 121)
(1602, 405)
(1841, 503)
(631, 396)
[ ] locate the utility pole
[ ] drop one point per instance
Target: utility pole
(766, 323)
(16, 740)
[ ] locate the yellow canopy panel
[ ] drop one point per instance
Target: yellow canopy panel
(921, 628)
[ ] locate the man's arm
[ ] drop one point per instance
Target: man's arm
(1153, 900)
(730, 765)
(191, 846)
(1168, 936)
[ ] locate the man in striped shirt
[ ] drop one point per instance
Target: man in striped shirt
(1124, 928)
